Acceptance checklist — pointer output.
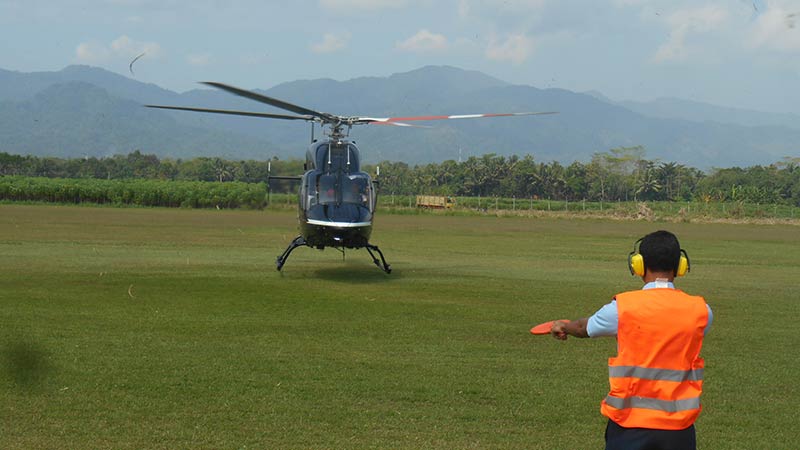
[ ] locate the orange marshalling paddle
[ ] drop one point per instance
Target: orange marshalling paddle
(544, 328)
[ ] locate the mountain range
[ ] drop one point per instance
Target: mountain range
(87, 111)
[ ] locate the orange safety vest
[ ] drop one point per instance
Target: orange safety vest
(657, 376)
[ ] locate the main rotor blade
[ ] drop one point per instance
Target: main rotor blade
(271, 101)
(234, 113)
(396, 124)
(387, 120)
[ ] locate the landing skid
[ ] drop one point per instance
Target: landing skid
(382, 263)
(299, 241)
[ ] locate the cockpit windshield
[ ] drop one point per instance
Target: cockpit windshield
(343, 188)
(339, 197)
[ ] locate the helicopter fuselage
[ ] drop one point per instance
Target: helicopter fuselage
(336, 199)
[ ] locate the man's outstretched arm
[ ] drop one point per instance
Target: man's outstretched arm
(561, 329)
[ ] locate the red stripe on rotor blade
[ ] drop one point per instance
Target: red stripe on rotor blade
(406, 119)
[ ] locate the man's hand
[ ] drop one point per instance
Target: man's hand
(559, 329)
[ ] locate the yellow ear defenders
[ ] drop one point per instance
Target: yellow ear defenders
(636, 262)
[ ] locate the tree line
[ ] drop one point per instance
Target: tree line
(620, 174)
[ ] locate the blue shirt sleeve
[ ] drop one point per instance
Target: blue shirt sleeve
(604, 322)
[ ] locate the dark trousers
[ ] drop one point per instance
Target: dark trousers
(619, 438)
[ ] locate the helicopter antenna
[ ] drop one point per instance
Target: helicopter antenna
(269, 175)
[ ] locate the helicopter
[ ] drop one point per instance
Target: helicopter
(337, 200)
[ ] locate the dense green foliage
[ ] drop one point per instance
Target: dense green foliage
(621, 174)
(139, 165)
(192, 194)
(618, 175)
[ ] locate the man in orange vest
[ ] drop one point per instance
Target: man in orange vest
(657, 376)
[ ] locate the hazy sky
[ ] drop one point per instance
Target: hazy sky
(740, 53)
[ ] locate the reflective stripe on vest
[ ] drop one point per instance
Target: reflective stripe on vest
(654, 403)
(655, 374)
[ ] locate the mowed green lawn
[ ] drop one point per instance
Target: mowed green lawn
(157, 328)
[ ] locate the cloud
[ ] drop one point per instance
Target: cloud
(91, 52)
(464, 9)
(500, 11)
(125, 46)
(511, 5)
(121, 48)
(777, 29)
(706, 18)
(516, 49)
(331, 43)
(199, 59)
(423, 41)
(685, 23)
(371, 5)
(624, 3)
(254, 59)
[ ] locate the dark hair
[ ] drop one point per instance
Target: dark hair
(661, 251)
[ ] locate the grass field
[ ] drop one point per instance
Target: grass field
(157, 328)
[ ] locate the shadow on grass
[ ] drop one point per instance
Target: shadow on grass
(25, 364)
(356, 273)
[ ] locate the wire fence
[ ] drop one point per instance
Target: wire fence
(521, 206)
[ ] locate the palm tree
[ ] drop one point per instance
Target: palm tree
(221, 169)
(667, 175)
(648, 185)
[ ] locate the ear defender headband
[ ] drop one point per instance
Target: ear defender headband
(636, 262)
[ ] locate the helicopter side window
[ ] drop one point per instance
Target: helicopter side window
(327, 189)
(308, 193)
(355, 190)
